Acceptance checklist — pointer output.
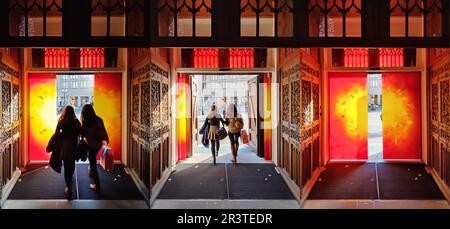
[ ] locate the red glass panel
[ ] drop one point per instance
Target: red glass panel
(92, 57)
(391, 57)
(206, 58)
(242, 58)
(356, 57)
(56, 58)
(348, 116)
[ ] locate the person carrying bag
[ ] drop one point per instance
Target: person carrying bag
(235, 124)
(213, 120)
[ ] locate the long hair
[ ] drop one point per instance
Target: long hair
(68, 114)
(212, 111)
(88, 116)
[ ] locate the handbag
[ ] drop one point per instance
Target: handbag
(222, 133)
(107, 158)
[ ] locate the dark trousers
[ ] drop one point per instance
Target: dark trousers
(69, 169)
(234, 139)
(215, 145)
(92, 156)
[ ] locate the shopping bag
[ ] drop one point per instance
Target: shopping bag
(107, 158)
(244, 136)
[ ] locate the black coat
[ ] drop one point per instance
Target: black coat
(63, 143)
(95, 133)
(70, 131)
(204, 131)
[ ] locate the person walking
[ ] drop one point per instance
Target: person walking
(235, 123)
(213, 119)
(68, 129)
(94, 132)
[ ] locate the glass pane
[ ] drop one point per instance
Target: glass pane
(184, 23)
(326, 18)
(248, 19)
(136, 18)
(203, 20)
(286, 19)
(353, 23)
(54, 19)
(334, 24)
(415, 19)
(35, 22)
(117, 23)
(98, 19)
(397, 21)
(266, 23)
(166, 21)
(16, 16)
(434, 18)
(315, 17)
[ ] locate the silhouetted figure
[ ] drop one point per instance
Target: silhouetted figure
(94, 132)
(69, 129)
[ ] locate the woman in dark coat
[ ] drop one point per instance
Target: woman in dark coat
(213, 119)
(94, 132)
(69, 129)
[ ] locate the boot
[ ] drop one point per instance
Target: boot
(68, 193)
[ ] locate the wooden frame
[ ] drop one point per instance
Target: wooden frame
(225, 30)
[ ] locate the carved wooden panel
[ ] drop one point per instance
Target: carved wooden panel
(15, 103)
(434, 101)
(439, 155)
(155, 103)
(285, 104)
(145, 103)
(295, 103)
(306, 103)
(315, 98)
(6, 103)
(9, 120)
(165, 102)
(445, 100)
(150, 95)
(135, 103)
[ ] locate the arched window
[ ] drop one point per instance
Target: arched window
(356, 57)
(92, 57)
(206, 58)
(56, 58)
(391, 57)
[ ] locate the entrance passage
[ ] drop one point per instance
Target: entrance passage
(49, 93)
(202, 185)
(222, 90)
(374, 117)
(375, 124)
